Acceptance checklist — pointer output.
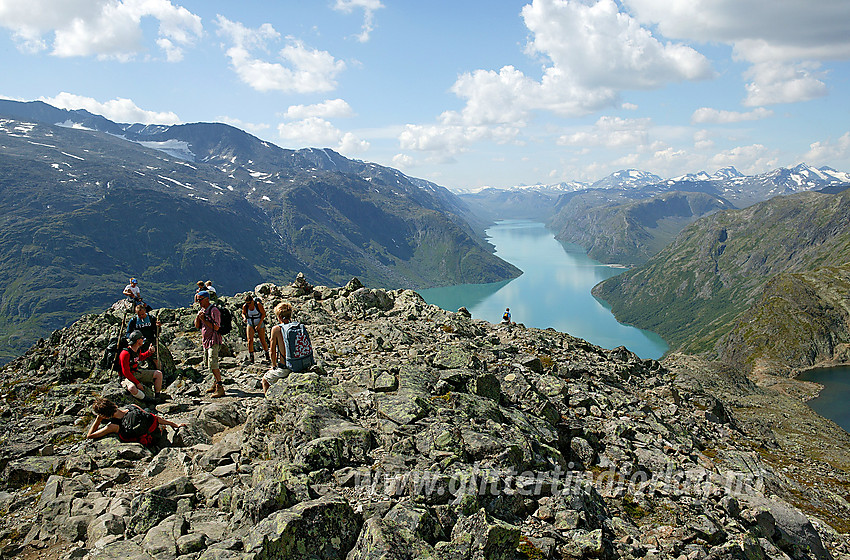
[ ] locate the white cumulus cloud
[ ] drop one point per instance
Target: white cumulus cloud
(717, 116)
(317, 132)
(331, 108)
(784, 40)
(368, 6)
(119, 110)
(752, 159)
(611, 132)
(101, 28)
(301, 70)
(829, 151)
(590, 51)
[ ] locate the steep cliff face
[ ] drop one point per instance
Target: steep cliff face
(692, 292)
(798, 321)
(420, 433)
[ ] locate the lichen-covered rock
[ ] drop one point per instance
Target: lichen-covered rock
(324, 529)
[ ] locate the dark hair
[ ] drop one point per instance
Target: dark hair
(104, 407)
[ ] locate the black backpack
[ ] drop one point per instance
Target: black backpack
(226, 324)
(138, 425)
(112, 353)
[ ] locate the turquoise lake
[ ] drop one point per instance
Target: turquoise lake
(832, 401)
(553, 291)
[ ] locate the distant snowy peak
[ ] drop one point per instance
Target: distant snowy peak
(802, 177)
(627, 179)
(563, 187)
(726, 173)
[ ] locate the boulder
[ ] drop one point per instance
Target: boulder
(323, 529)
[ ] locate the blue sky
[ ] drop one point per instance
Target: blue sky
(466, 94)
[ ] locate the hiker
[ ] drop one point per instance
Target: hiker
(506, 317)
(132, 377)
(254, 315)
(291, 341)
(208, 320)
(149, 326)
(132, 424)
(201, 287)
(209, 287)
(133, 292)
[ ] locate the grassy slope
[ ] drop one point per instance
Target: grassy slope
(691, 292)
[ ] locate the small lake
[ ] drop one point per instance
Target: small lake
(553, 291)
(833, 400)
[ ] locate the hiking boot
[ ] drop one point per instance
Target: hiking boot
(219, 391)
(251, 356)
(266, 354)
(211, 388)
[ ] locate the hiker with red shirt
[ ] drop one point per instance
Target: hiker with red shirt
(132, 377)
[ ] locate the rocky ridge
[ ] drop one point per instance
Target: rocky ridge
(420, 433)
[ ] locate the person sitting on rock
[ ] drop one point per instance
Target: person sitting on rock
(132, 377)
(149, 326)
(133, 292)
(291, 342)
(209, 287)
(201, 288)
(254, 315)
(506, 316)
(132, 424)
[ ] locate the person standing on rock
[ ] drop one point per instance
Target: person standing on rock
(208, 320)
(149, 327)
(209, 287)
(291, 342)
(132, 377)
(254, 315)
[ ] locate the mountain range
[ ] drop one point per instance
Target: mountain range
(628, 216)
(87, 203)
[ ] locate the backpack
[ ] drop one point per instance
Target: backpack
(226, 324)
(138, 425)
(299, 351)
(112, 353)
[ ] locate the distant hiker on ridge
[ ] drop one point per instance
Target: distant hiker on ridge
(201, 287)
(506, 317)
(209, 287)
(208, 320)
(149, 327)
(133, 292)
(132, 377)
(254, 315)
(291, 342)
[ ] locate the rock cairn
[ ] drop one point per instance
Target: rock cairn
(420, 433)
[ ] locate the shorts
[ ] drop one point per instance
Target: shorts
(145, 377)
(211, 356)
(254, 322)
(276, 374)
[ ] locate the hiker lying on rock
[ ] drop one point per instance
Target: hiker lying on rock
(132, 377)
(133, 424)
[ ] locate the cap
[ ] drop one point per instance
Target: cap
(132, 280)
(203, 294)
(135, 335)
